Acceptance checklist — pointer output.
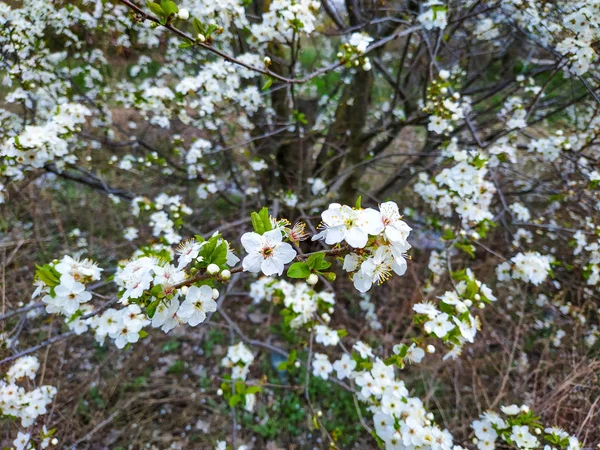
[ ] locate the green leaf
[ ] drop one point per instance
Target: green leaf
(186, 45)
(151, 308)
(330, 276)
(358, 202)
(298, 270)
(266, 220)
(391, 360)
(48, 275)
(155, 8)
(318, 262)
(342, 333)
(448, 235)
(143, 334)
(75, 316)
(479, 162)
(267, 84)
(460, 275)
(257, 223)
(207, 249)
(169, 7)
(219, 255)
(212, 27)
(314, 261)
(234, 400)
(157, 291)
(253, 390)
(467, 248)
(292, 356)
(198, 27)
(403, 351)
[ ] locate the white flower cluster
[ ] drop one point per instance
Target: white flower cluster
(381, 235)
(17, 402)
(67, 278)
(531, 267)
(583, 24)
(400, 421)
(302, 302)
(122, 325)
(550, 148)
(238, 359)
(37, 145)
(437, 264)
(436, 16)
(167, 212)
(150, 281)
(462, 187)
(369, 310)
(353, 50)
(518, 428)
(446, 107)
(286, 19)
(453, 322)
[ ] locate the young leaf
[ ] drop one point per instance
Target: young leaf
(257, 223)
(266, 220)
(298, 270)
(267, 84)
(234, 400)
(253, 390)
(155, 8)
(209, 30)
(314, 260)
(219, 255)
(151, 309)
(358, 201)
(169, 7)
(48, 275)
(330, 276)
(198, 27)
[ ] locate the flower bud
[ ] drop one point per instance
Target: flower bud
(297, 364)
(430, 349)
(220, 392)
(225, 275)
(215, 294)
(201, 37)
(183, 14)
(267, 61)
(312, 279)
(212, 269)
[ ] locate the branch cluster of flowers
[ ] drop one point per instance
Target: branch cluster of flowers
(26, 405)
(519, 426)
